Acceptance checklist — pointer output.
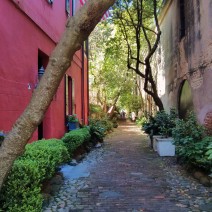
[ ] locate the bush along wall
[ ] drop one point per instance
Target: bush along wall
(75, 139)
(22, 190)
(192, 144)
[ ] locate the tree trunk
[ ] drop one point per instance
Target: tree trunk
(112, 108)
(153, 92)
(77, 30)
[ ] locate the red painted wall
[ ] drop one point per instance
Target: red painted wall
(26, 28)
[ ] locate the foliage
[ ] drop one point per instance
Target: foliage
(142, 121)
(108, 60)
(105, 123)
(137, 22)
(21, 192)
(191, 143)
(130, 101)
(166, 122)
(151, 127)
(76, 138)
(162, 123)
(209, 151)
(72, 118)
(114, 121)
(187, 131)
(97, 131)
(95, 109)
(50, 154)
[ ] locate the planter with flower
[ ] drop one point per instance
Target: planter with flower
(72, 122)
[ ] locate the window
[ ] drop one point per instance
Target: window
(68, 7)
(70, 104)
(42, 61)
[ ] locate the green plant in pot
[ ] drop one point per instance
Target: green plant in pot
(72, 122)
(166, 122)
(164, 143)
(161, 124)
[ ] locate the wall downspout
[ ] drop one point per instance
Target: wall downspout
(87, 45)
(82, 88)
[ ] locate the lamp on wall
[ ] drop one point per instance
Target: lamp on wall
(41, 71)
(50, 1)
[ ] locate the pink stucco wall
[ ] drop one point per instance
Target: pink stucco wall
(27, 27)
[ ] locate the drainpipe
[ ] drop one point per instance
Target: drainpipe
(87, 45)
(82, 88)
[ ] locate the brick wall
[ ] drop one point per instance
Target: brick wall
(208, 122)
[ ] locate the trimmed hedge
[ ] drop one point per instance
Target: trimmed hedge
(22, 191)
(76, 138)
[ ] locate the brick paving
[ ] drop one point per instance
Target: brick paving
(126, 175)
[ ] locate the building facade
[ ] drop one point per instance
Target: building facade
(29, 32)
(185, 57)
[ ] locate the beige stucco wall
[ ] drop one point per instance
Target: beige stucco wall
(187, 58)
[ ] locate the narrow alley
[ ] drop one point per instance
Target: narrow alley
(126, 175)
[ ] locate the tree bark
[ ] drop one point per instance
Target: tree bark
(114, 105)
(77, 30)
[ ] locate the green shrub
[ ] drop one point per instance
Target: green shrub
(162, 123)
(166, 122)
(76, 138)
(151, 127)
(191, 142)
(209, 151)
(72, 118)
(141, 121)
(50, 154)
(21, 192)
(22, 189)
(96, 111)
(187, 131)
(104, 123)
(97, 132)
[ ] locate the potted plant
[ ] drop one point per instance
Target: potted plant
(164, 143)
(159, 129)
(72, 122)
(151, 127)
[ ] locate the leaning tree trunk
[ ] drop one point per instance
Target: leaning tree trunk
(77, 30)
(114, 105)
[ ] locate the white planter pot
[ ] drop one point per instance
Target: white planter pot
(155, 137)
(165, 146)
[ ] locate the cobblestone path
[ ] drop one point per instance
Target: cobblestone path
(125, 175)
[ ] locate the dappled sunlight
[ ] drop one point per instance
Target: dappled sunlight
(135, 130)
(128, 126)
